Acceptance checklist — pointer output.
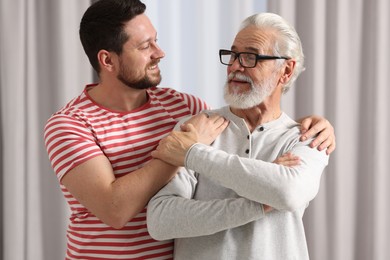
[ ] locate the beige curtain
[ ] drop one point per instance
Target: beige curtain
(42, 66)
(346, 44)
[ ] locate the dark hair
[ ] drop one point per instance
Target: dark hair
(102, 26)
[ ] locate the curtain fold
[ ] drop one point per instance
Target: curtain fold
(42, 66)
(346, 80)
(191, 33)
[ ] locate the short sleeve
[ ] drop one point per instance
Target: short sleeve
(69, 142)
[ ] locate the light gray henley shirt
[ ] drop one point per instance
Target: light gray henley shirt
(213, 208)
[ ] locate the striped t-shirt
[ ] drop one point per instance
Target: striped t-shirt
(82, 130)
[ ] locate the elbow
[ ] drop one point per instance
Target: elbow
(151, 224)
(118, 224)
(153, 221)
(153, 231)
(289, 202)
(297, 191)
(292, 198)
(116, 221)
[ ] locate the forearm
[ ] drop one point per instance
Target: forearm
(115, 201)
(283, 188)
(172, 214)
(132, 192)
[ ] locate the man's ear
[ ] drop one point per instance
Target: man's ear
(288, 71)
(106, 60)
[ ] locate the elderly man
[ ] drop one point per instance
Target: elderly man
(100, 142)
(231, 201)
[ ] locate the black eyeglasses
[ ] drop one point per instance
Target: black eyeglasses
(246, 59)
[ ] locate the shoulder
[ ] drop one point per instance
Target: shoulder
(172, 96)
(75, 113)
(170, 92)
(290, 140)
(287, 132)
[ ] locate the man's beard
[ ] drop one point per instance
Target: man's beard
(255, 96)
(143, 83)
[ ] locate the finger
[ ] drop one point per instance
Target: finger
(313, 131)
(291, 163)
(319, 127)
(286, 157)
(290, 160)
(219, 120)
(198, 119)
(202, 114)
(267, 208)
(223, 125)
(186, 127)
(331, 148)
(214, 117)
(296, 163)
(325, 143)
(190, 128)
(282, 159)
(329, 142)
(322, 137)
(155, 154)
(305, 125)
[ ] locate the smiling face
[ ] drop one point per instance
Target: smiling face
(249, 87)
(138, 62)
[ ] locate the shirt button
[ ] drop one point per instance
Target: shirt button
(247, 151)
(247, 137)
(261, 129)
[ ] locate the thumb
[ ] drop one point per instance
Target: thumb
(187, 128)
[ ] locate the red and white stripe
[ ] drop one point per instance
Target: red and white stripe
(82, 130)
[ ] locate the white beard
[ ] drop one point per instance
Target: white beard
(252, 98)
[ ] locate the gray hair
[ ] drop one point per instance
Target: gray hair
(287, 42)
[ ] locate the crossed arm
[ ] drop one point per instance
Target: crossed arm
(117, 200)
(283, 188)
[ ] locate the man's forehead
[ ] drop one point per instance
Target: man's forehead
(140, 29)
(252, 39)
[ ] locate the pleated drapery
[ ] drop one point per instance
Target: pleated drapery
(42, 66)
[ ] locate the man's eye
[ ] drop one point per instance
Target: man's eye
(249, 57)
(144, 47)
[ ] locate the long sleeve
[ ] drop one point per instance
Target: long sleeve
(173, 214)
(283, 188)
(213, 207)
